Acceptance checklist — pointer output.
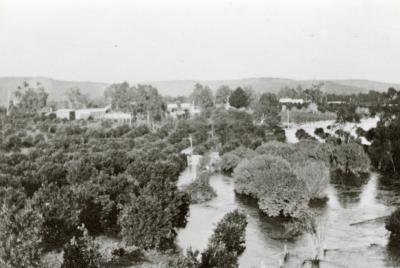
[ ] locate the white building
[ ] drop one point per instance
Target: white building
(93, 113)
(118, 117)
(68, 114)
(290, 100)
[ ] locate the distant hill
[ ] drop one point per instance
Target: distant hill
(57, 88)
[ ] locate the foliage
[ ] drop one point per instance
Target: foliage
(267, 108)
(202, 96)
(81, 252)
(76, 100)
(230, 160)
(235, 128)
(30, 99)
(227, 242)
(143, 101)
(392, 223)
(271, 181)
(350, 159)
(149, 219)
(316, 176)
(301, 134)
(385, 148)
(190, 260)
(222, 94)
(239, 98)
(19, 231)
(200, 189)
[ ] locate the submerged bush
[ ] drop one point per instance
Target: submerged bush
(200, 189)
(316, 176)
(271, 181)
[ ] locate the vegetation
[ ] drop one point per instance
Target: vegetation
(224, 246)
(81, 252)
(393, 224)
(200, 189)
(239, 98)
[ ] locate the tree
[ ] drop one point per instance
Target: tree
(120, 96)
(271, 181)
(76, 100)
(20, 239)
(60, 211)
(227, 242)
(239, 98)
(222, 94)
(316, 176)
(202, 96)
(350, 159)
(267, 108)
(29, 99)
(149, 219)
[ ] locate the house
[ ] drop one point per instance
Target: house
(290, 100)
(68, 114)
(119, 117)
(93, 113)
(336, 102)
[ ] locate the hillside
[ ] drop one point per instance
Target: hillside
(57, 88)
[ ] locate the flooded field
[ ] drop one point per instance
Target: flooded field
(344, 238)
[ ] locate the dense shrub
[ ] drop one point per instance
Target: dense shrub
(392, 223)
(200, 189)
(149, 219)
(271, 181)
(227, 242)
(81, 252)
(20, 237)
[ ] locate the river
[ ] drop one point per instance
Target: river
(346, 245)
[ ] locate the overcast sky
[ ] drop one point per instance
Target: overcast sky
(118, 40)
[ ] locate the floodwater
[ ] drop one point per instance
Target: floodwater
(340, 241)
(365, 123)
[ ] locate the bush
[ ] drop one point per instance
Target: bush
(301, 134)
(200, 189)
(316, 176)
(81, 252)
(392, 223)
(271, 181)
(20, 240)
(231, 159)
(350, 159)
(227, 242)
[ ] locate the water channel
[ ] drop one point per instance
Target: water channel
(346, 245)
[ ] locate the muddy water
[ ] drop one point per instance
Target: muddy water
(345, 245)
(342, 242)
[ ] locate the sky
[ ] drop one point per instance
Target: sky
(117, 40)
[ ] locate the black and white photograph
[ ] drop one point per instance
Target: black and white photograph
(199, 133)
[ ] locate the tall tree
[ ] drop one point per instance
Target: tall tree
(239, 98)
(267, 108)
(30, 100)
(222, 94)
(202, 96)
(76, 100)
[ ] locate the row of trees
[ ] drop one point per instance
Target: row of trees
(115, 180)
